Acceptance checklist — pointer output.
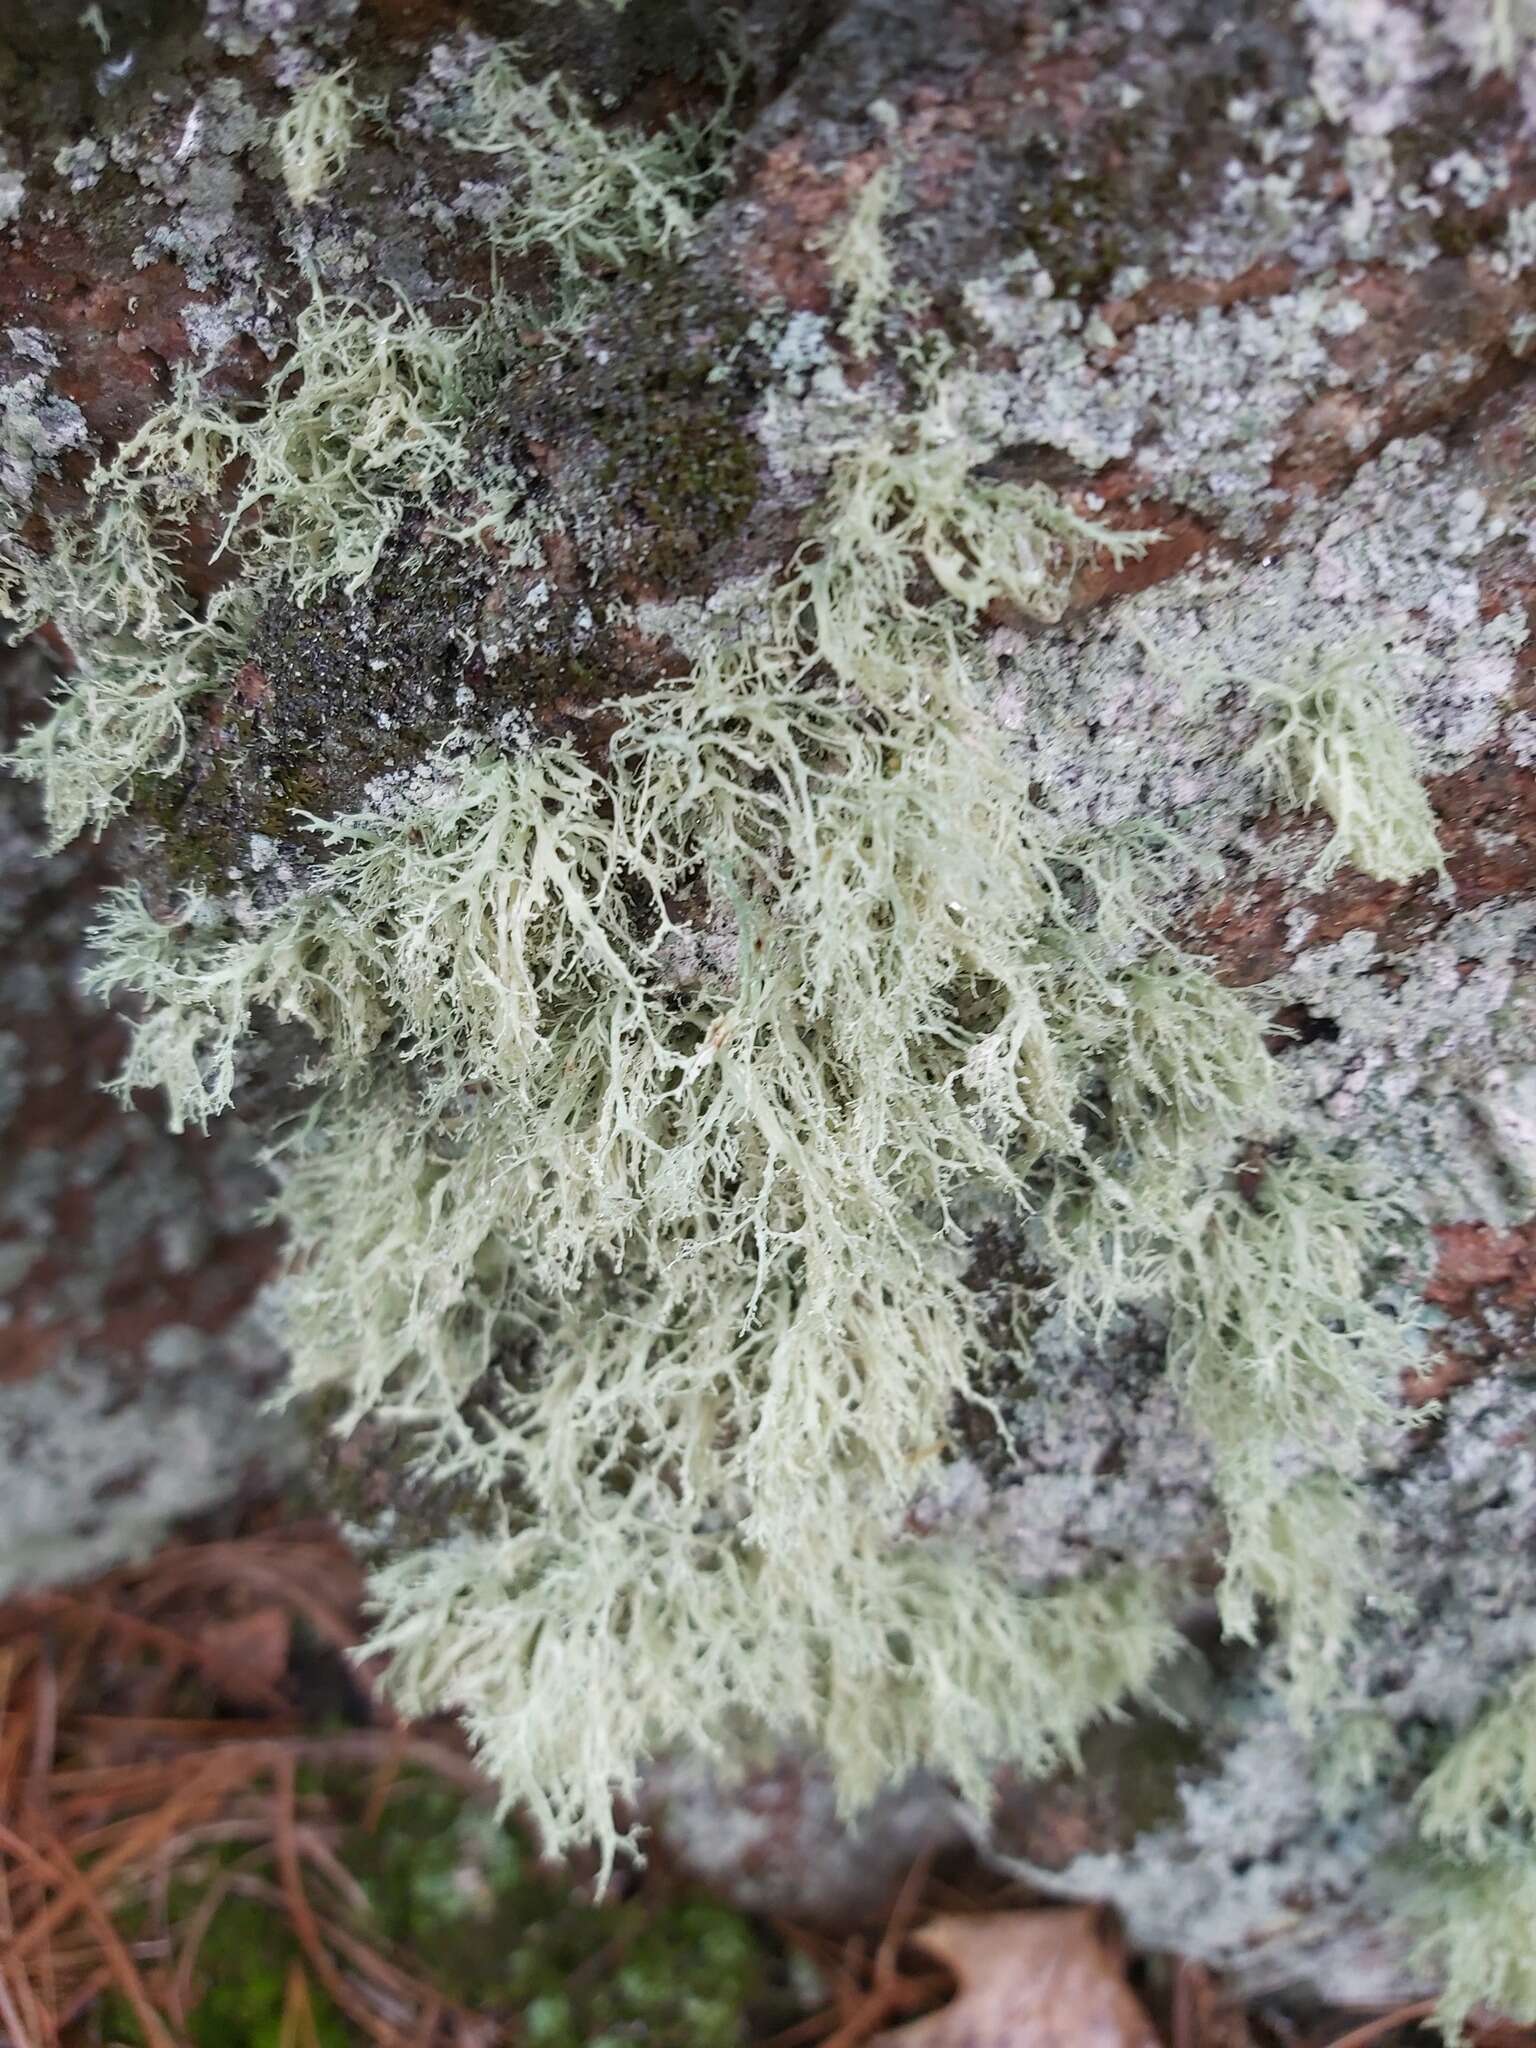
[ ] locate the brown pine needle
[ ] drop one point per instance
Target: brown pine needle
(145, 1836)
(301, 1914)
(79, 1893)
(1384, 2024)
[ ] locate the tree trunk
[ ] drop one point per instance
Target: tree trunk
(1253, 286)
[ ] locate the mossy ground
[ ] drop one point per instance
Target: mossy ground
(465, 1898)
(452, 1884)
(228, 1656)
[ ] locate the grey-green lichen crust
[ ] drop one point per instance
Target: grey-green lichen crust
(775, 1029)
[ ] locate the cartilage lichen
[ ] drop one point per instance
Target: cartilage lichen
(713, 1214)
(650, 1094)
(1497, 34)
(892, 1654)
(593, 195)
(860, 261)
(308, 484)
(1473, 1895)
(365, 417)
(316, 134)
(143, 652)
(1485, 1784)
(1334, 738)
(1475, 1921)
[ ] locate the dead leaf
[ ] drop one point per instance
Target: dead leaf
(1046, 1979)
(1206, 2015)
(249, 1657)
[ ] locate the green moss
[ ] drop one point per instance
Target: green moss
(242, 1985)
(1075, 224)
(245, 1965)
(461, 1899)
(659, 392)
(699, 479)
(51, 62)
(455, 1887)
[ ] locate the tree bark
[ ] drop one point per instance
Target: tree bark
(1262, 278)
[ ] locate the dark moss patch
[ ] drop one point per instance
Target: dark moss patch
(329, 696)
(367, 1480)
(1133, 1775)
(699, 478)
(1461, 231)
(504, 1933)
(658, 53)
(465, 1903)
(1076, 226)
(56, 76)
(644, 422)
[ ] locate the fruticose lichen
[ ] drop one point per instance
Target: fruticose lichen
(1476, 1921)
(1496, 34)
(1334, 738)
(362, 420)
(655, 1097)
(1474, 1893)
(593, 195)
(316, 134)
(859, 260)
(654, 1088)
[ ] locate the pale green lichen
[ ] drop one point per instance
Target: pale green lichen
(1475, 1921)
(310, 484)
(859, 260)
(1356, 1753)
(1486, 1781)
(364, 418)
(594, 196)
(316, 134)
(1499, 34)
(650, 1100)
(1301, 1552)
(911, 495)
(669, 1081)
(1473, 1895)
(128, 717)
(1285, 1365)
(1334, 739)
(645, 1637)
(143, 653)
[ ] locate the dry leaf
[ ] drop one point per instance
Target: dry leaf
(1045, 1979)
(249, 1656)
(1205, 2013)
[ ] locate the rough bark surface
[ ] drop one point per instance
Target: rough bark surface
(1263, 277)
(134, 1367)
